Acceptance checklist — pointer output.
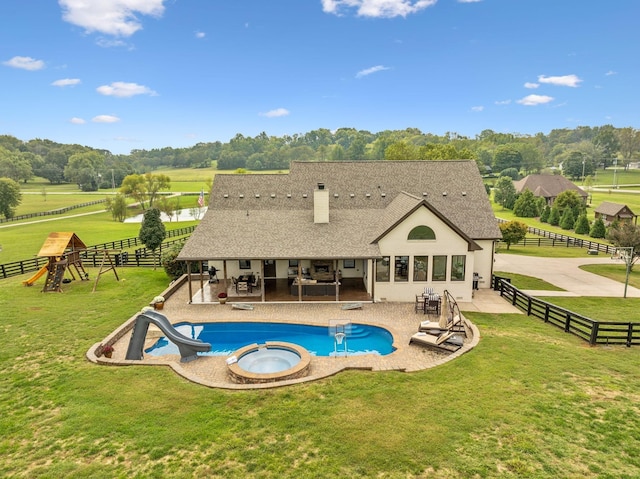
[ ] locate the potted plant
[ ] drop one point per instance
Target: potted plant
(222, 298)
(107, 350)
(158, 302)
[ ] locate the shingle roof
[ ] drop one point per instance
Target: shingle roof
(612, 209)
(271, 216)
(548, 186)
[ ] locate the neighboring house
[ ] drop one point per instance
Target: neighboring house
(392, 227)
(610, 212)
(548, 186)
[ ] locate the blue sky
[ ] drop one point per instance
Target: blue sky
(142, 74)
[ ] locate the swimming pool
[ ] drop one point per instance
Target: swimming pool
(227, 337)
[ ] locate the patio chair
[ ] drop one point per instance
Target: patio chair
(242, 287)
(446, 342)
(419, 306)
(256, 283)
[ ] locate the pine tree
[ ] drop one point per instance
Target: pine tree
(546, 212)
(598, 230)
(152, 232)
(567, 221)
(554, 217)
(582, 225)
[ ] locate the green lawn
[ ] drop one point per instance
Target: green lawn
(521, 281)
(24, 241)
(529, 401)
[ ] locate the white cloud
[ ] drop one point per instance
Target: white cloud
(111, 17)
(124, 90)
(369, 71)
(610, 72)
(110, 43)
(477, 108)
(531, 85)
(200, 34)
(533, 100)
(105, 119)
(77, 121)
(567, 80)
(503, 102)
(377, 8)
(276, 113)
(66, 82)
(25, 63)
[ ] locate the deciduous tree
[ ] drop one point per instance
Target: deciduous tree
(504, 193)
(512, 232)
(10, 196)
(526, 206)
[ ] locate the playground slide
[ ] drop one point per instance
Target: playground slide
(35, 277)
(188, 347)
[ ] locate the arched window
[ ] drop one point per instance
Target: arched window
(422, 232)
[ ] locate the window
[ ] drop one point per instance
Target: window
(348, 263)
(458, 263)
(421, 232)
(382, 269)
(293, 263)
(401, 269)
(420, 268)
(439, 268)
(245, 264)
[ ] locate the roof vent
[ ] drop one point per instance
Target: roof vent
(241, 195)
(368, 195)
(304, 195)
(257, 195)
(335, 195)
(273, 195)
(288, 195)
(383, 194)
(464, 193)
(225, 195)
(444, 193)
(352, 195)
(321, 186)
(424, 193)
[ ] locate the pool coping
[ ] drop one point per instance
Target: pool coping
(399, 319)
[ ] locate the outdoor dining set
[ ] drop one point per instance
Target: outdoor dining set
(246, 283)
(429, 302)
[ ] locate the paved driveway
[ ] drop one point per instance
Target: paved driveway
(566, 274)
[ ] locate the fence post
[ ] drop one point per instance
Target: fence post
(567, 323)
(629, 335)
(594, 333)
(529, 306)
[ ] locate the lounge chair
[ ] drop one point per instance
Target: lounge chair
(450, 326)
(446, 342)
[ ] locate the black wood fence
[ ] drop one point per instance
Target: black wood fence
(549, 238)
(591, 330)
(59, 211)
(93, 257)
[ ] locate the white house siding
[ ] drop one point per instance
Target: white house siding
(447, 243)
(484, 262)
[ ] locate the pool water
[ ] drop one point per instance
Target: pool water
(227, 337)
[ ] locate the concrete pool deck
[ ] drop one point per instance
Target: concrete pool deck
(399, 318)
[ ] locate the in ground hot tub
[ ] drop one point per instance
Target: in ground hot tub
(269, 362)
